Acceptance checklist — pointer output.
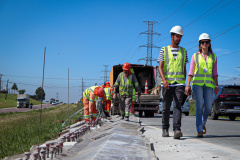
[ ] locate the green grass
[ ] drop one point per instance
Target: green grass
(19, 131)
(12, 101)
(192, 111)
(192, 108)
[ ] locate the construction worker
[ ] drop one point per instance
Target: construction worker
(90, 96)
(133, 100)
(126, 81)
(108, 92)
(172, 69)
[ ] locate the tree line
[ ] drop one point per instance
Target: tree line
(38, 93)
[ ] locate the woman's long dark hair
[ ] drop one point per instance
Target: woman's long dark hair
(209, 48)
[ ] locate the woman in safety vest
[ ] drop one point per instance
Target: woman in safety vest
(203, 72)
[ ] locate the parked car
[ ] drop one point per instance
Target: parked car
(226, 102)
(185, 106)
(54, 103)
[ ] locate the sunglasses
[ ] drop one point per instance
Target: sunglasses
(207, 42)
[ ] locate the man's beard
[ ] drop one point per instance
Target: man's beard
(177, 43)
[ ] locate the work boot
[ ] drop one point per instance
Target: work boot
(204, 130)
(126, 118)
(177, 134)
(200, 134)
(165, 133)
(122, 118)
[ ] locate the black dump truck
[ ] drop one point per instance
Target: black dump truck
(148, 103)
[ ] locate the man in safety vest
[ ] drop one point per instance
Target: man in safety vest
(108, 92)
(126, 81)
(172, 69)
(90, 96)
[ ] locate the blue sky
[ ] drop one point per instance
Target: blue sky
(84, 35)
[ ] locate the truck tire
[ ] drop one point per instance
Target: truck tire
(152, 114)
(140, 113)
(147, 113)
(232, 117)
(214, 115)
(187, 114)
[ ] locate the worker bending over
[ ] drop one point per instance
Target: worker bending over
(90, 96)
(126, 81)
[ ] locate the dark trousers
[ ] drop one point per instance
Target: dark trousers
(174, 94)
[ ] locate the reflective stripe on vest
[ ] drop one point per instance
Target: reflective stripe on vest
(133, 96)
(107, 92)
(200, 78)
(126, 89)
(90, 89)
(174, 69)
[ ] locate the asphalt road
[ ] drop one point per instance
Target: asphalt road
(219, 132)
(35, 107)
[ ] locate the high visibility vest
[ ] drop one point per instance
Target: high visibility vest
(133, 96)
(132, 71)
(108, 93)
(200, 78)
(174, 69)
(126, 89)
(90, 89)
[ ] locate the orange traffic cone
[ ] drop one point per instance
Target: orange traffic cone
(146, 88)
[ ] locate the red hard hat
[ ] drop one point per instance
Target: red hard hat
(126, 66)
(100, 92)
(107, 83)
(102, 86)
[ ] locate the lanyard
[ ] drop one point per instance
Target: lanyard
(204, 58)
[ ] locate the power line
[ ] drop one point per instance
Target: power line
(220, 33)
(229, 54)
(47, 78)
(202, 14)
(129, 49)
(200, 17)
(173, 12)
(216, 10)
(216, 34)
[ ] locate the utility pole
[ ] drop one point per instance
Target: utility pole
(149, 44)
(0, 82)
(82, 87)
(105, 73)
(57, 95)
(6, 92)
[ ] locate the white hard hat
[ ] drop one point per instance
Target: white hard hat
(204, 36)
(177, 30)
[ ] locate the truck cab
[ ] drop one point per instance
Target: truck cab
(22, 100)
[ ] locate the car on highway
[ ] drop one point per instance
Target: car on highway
(54, 103)
(185, 106)
(226, 102)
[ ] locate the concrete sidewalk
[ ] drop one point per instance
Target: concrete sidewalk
(186, 148)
